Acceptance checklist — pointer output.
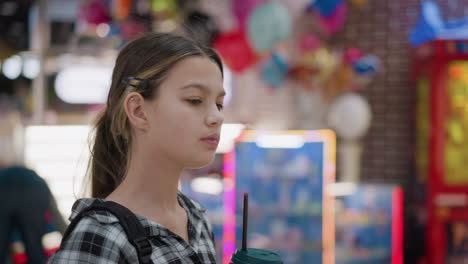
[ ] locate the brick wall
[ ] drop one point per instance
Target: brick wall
(382, 27)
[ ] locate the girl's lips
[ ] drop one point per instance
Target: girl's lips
(210, 141)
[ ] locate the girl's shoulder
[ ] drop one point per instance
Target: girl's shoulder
(190, 203)
(102, 217)
(97, 237)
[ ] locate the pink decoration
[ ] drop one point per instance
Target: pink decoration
(309, 43)
(94, 12)
(243, 8)
(334, 22)
(352, 55)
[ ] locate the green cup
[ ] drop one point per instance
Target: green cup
(252, 255)
(255, 256)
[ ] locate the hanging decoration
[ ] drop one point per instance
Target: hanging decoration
(332, 23)
(325, 7)
(235, 50)
(275, 71)
(255, 35)
(94, 12)
(268, 25)
(431, 26)
(242, 9)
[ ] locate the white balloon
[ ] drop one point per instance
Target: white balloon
(350, 116)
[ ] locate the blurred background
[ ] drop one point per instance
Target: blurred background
(346, 121)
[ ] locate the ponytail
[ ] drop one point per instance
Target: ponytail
(109, 158)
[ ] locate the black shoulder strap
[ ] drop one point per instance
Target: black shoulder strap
(131, 225)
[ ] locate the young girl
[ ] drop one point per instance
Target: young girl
(163, 114)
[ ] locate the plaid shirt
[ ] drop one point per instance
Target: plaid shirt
(99, 238)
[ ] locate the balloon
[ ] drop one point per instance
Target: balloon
(200, 27)
(325, 7)
(269, 24)
(235, 50)
(350, 116)
(275, 71)
(335, 21)
(94, 12)
(367, 65)
(352, 55)
(243, 8)
(309, 43)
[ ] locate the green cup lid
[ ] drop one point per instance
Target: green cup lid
(256, 256)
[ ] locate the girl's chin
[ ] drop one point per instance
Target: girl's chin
(201, 161)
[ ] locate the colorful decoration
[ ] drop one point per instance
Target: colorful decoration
(309, 43)
(94, 12)
(242, 9)
(352, 55)
(350, 116)
(332, 23)
(325, 7)
(275, 71)
(431, 26)
(367, 65)
(269, 24)
(342, 81)
(235, 50)
(246, 32)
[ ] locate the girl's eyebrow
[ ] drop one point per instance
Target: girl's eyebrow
(202, 88)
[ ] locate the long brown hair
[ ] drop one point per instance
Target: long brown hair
(149, 57)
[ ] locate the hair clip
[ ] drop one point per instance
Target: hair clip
(142, 83)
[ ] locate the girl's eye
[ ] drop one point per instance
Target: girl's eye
(220, 106)
(194, 101)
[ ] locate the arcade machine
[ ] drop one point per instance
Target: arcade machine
(285, 174)
(440, 70)
(369, 224)
(441, 75)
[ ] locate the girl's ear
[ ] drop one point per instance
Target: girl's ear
(133, 105)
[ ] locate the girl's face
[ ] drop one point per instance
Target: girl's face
(184, 120)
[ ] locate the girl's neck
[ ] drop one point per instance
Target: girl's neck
(151, 183)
